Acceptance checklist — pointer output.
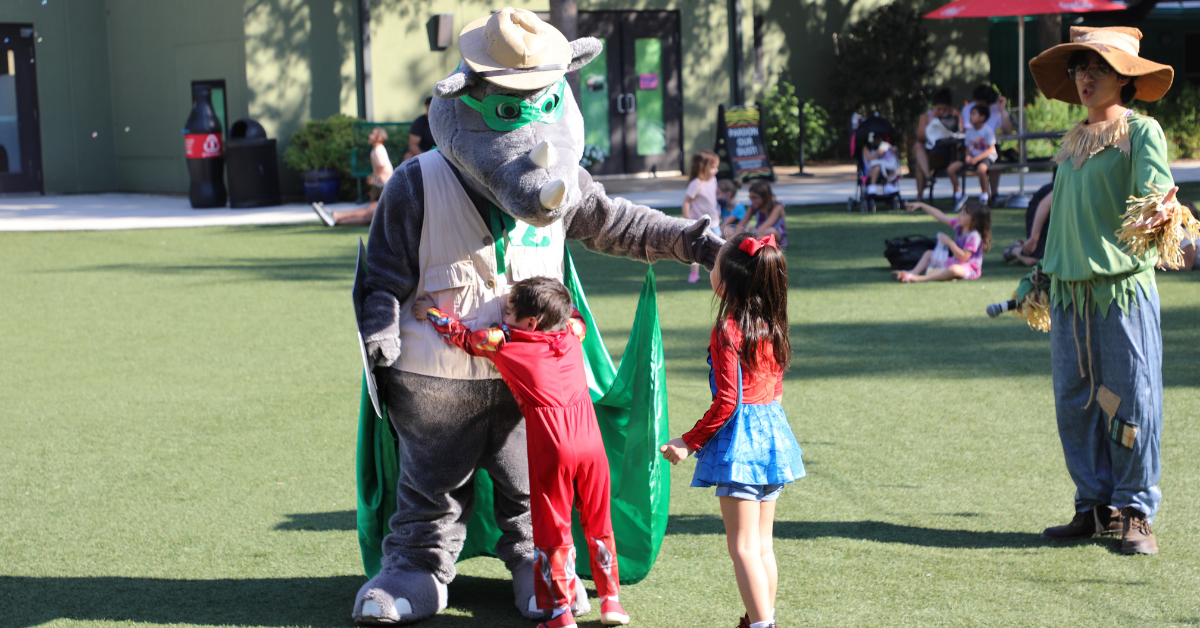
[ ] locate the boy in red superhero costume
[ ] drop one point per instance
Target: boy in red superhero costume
(538, 353)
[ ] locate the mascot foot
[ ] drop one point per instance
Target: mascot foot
(399, 597)
(527, 602)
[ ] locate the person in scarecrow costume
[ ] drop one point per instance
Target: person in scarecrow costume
(1106, 344)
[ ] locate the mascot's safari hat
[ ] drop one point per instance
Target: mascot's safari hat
(1118, 46)
(514, 48)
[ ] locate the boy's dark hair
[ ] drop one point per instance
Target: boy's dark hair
(942, 97)
(986, 94)
(428, 100)
(981, 221)
(1080, 58)
(755, 299)
(986, 112)
(543, 298)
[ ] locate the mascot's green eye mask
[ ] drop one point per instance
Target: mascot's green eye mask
(507, 113)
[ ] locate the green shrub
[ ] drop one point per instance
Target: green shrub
(781, 108)
(1047, 114)
(325, 145)
(322, 145)
(1179, 115)
(881, 64)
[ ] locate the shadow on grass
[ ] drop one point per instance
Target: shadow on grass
(878, 531)
(336, 521)
(267, 602)
(329, 268)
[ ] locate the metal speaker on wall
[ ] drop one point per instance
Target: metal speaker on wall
(441, 31)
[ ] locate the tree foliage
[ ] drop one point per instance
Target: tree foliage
(781, 108)
(883, 64)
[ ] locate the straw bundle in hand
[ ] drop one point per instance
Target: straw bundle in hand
(1157, 221)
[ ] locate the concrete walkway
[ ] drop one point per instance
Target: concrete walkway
(91, 212)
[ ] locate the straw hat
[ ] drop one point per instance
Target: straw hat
(514, 48)
(1118, 46)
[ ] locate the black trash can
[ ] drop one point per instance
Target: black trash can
(253, 166)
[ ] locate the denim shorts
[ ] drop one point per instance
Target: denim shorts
(751, 492)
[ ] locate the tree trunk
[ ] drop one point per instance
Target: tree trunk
(564, 15)
(1049, 31)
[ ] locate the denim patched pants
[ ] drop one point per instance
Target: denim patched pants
(1127, 359)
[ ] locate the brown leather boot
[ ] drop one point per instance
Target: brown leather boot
(1108, 521)
(1136, 535)
(1084, 525)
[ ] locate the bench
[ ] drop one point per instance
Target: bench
(360, 154)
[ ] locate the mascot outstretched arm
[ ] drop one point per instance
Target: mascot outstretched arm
(493, 205)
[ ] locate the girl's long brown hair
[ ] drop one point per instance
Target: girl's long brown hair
(702, 161)
(981, 221)
(763, 190)
(755, 299)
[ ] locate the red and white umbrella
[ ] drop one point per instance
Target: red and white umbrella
(1020, 9)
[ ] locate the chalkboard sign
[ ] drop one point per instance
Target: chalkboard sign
(740, 143)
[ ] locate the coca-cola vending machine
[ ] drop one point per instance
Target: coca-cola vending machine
(204, 144)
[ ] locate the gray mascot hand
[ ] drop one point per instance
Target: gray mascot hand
(384, 351)
(703, 245)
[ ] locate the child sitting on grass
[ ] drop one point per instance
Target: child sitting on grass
(732, 212)
(960, 257)
(538, 353)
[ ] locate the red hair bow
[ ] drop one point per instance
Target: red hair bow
(751, 246)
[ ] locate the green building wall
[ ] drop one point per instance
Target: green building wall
(122, 69)
(74, 92)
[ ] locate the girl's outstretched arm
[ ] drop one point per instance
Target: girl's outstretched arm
(931, 210)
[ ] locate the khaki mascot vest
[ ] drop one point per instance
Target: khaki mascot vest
(458, 257)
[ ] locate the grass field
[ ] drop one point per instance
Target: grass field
(180, 406)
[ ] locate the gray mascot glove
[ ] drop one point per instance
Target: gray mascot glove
(702, 244)
(384, 351)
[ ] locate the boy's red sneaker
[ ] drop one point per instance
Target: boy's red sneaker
(566, 619)
(612, 614)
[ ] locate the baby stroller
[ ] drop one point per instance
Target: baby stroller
(887, 192)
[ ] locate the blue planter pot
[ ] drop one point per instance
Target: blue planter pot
(321, 186)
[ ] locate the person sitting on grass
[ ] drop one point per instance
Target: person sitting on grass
(1037, 223)
(382, 171)
(770, 216)
(732, 212)
(981, 153)
(960, 257)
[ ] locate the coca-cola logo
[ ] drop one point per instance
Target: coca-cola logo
(203, 145)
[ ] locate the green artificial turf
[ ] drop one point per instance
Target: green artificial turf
(180, 408)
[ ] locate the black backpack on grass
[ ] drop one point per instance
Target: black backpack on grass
(904, 253)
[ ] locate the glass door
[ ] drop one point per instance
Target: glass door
(630, 93)
(600, 91)
(653, 99)
(20, 140)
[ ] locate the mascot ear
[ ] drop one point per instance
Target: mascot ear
(457, 84)
(583, 50)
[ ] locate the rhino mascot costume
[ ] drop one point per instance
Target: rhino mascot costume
(492, 206)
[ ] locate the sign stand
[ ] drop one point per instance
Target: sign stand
(740, 144)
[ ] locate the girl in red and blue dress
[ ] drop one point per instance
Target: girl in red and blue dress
(743, 444)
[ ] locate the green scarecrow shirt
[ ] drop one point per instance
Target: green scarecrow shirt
(1100, 167)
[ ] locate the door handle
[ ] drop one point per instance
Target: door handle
(620, 103)
(632, 103)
